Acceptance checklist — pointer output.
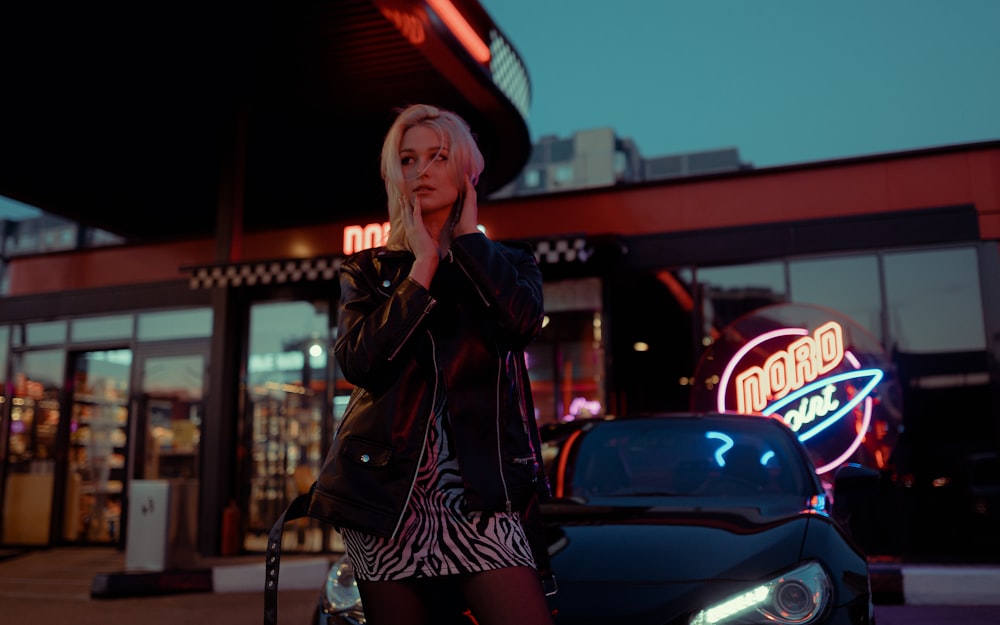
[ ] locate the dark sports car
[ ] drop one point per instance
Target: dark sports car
(699, 519)
(692, 519)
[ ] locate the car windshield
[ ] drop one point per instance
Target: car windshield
(686, 457)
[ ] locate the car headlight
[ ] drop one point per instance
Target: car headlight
(797, 597)
(340, 593)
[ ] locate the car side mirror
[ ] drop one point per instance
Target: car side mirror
(855, 490)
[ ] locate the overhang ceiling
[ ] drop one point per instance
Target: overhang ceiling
(131, 117)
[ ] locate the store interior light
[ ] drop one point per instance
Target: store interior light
(461, 28)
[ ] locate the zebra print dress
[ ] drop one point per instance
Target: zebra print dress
(436, 537)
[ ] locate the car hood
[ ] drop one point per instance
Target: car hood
(659, 563)
(675, 543)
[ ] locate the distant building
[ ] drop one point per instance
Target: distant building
(599, 158)
(37, 232)
(692, 164)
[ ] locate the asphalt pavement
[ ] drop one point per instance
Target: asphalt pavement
(57, 586)
(83, 586)
(937, 615)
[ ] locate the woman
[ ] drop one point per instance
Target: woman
(438, 455)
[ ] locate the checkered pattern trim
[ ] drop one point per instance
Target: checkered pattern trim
(562, 250)
(264, 272)
(326, 267)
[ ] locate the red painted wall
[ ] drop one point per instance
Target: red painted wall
(763, 196)
(885, 183)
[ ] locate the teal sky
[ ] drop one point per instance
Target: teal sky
(785, 81)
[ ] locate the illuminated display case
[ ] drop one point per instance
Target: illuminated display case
(32, 434)
(96, 471)
(285, 419)
(286, 453)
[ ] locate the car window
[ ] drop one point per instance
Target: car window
(684, 457)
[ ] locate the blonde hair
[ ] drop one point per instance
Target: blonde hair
(464, 158)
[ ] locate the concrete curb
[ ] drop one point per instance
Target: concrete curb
(951, 585)
(935, 584)
(293, 575)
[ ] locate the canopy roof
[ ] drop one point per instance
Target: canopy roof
(144, 119)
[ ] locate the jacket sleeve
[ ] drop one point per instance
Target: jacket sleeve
(373, 327)
(508, 282)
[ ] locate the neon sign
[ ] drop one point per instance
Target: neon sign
(822, 406)
(786, 370)
(408, 24)
(820, 373)
(582, 407)
(357, 238)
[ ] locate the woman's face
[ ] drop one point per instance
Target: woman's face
(426, 173)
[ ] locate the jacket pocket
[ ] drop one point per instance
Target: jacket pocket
(366, 453)
(360, 487)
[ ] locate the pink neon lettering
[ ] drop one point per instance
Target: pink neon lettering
(777, 368)
(357, 238)
(750, 393)
(805, 357)
(805, 360)
(353, 235)
(830, 337)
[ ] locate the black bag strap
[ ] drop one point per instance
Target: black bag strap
(298, 508)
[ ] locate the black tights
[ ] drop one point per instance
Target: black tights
(508, 596)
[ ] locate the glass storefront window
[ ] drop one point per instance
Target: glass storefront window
(171, 402)
(175, 324)
(101, 328)
(45, 333)
(286, 406)
(99, 427)
(849, 285)
(31, 446)
(4, 352)
(728, 293)
(566, 362)
(34, 418)
(566, 367)
(934, 301)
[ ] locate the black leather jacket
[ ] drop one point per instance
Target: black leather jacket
(407, 348)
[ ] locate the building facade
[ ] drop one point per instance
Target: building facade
(158, 362)
(125, 365)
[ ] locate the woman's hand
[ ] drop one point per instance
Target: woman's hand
(421, 244)
(468, 219)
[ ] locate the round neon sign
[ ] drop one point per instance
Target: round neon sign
(817, 370)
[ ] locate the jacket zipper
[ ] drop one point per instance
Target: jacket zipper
(479, 291)
(518, 382)
(413, 326)
(423, 444)
(500, 460)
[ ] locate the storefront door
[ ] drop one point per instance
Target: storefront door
(286, 416)
(97, 468)
(170, 402)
